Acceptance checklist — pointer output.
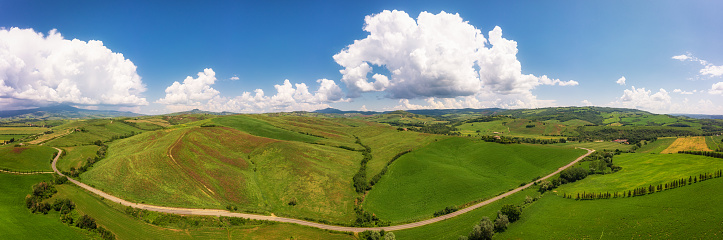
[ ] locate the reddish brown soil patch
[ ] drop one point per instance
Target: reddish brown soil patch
(18, 150)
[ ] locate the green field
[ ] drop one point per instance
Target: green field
(461, 225)
(642, 170)
(690, 212)
(127, 227)
(484, 128)
(22, 130)
(657, 146)
(88, 131)
(216, 166)
(600, 146)
(456, 171)
(261, 128)
(76, 156)
(17, 222)
(714, 142)
(26, 158)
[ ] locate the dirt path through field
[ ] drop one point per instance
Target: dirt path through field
(216, 212)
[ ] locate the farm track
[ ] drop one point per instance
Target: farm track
(24, 173)
(217, 212)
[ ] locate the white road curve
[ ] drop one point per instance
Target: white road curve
(218, 212)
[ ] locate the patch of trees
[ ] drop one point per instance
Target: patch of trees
(87, 222)
(381, 173)
(437, 128)
(601, 162)
(99, 155)
(366, 219)
(445, 211)
(376, 235)
(650, 189)
(41, 191)
(360, 178)
(633, 134)
(573, 174)
(511, 140)
(704, 153)
(486, 229)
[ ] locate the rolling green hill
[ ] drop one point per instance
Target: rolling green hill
(26, 158)
(213, 167)
(456, 171)
(642, 170)
(690, 212)
(17, 222)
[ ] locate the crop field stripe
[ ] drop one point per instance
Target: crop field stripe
(216, 212)
(687, 144)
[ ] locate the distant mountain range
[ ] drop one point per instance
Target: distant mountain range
(198, 111)
(63, 112)
(70, 112)
(429, 112)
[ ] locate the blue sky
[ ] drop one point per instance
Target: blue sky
(587, 45)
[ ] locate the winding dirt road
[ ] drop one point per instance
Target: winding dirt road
(216, 212)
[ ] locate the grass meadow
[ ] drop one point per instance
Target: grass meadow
(456, 171)
(261, 128)
(714, 142)
(644, 169)
(17, 222)
(213, 167)
(599, 146)
(26, 158)
(76, 156)
(690, 212)
(657, 146)
(106, 214)
(461, 225)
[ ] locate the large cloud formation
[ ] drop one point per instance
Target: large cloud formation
(38, 70)
(198, 93)
(708, 68)
(437, 56)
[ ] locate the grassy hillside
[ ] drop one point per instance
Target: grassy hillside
(456, 171)
(690, 212)
(714, 142)
(126, 227)
(642, 170)
(76, 156)
(656, 146)
(261, 128)
(461, 225)
(26, 158)
(17, 222)
(213, 167)
(88, 131)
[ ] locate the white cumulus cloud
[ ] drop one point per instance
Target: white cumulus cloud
(708, 68)
(192, 91)
(681, 91)
(640, 98)
(198, 93)
(621, 81)
(436, 55)
(36, 70)
(717, 88)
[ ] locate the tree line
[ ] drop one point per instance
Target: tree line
(381, 173)
(650, 189)
(511, 140)
(35, 201)
(486, 228)
(704, 153)
(99, 155)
